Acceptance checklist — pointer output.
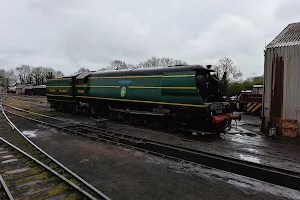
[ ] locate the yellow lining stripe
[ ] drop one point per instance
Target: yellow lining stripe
(96, 86)
(153, 76)
(140, 101)
(129, 100)
(58, 86)
(153, 87)
(60, 79)
(59, 95)
(248, 105)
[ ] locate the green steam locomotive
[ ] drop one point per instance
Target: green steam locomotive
(177, 97)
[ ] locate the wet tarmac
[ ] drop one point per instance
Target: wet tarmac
(124, 173)
(244, 141)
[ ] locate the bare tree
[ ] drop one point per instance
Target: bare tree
(130, 66)
(59, 74)
(103, 69)
(117, 65)
(37, 74)
(7, 78)
(227, 72)
(2, 77)
(81, 70)
(48, 73)
(160, 62)
(24, 73)
(227, 65)
(11, 77)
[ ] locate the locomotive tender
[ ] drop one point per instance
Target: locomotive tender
(178, 97)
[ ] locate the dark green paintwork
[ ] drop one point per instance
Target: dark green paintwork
(53, 83)
(182, 96)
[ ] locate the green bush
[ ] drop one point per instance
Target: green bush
(234, 88)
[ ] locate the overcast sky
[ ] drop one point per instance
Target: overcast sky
(68, 34)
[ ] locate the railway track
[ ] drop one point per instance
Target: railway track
(257, 171)
(232, 137)
(30, 173)
(274, 154)
(40, 103)
(4, 191)
(184, 137)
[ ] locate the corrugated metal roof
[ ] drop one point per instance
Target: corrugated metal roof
(290, 36)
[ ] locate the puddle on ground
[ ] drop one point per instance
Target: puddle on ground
(17, 170)
(54, 130)
(84, 160)
(245, 140)
(248, 134)
(237, 139)
(8, 156)
(250, 158)
(251, 150)
(256, 130)
(238, 183)
(10, 160)
(30, 134)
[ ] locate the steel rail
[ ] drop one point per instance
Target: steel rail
(103, 196)
(6, 189)
(257, 171)
(39, 114)
(48, 168)
(66, 120)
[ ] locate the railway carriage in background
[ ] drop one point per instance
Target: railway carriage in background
(178, 97)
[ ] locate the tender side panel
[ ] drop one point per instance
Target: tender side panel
(58, 89)
(112, 88)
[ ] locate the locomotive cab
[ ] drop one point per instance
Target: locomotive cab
(219, 110)
(208, 87)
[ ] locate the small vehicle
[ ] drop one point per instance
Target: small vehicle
(250, 101)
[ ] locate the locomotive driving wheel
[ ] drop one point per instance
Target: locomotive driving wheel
(158, 122)
(172, 126)
(148, 121)
(113, 115)
(127, 118)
